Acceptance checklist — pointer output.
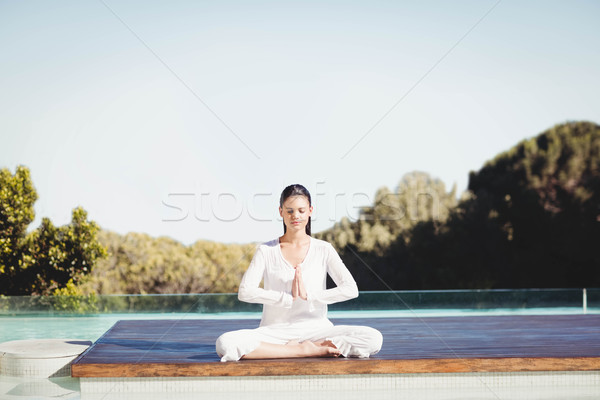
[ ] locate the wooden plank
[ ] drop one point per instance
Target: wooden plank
(411, 345)
(324, 367)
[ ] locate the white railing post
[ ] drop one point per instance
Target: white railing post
(584, 301)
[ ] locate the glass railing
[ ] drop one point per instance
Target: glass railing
(228, 302)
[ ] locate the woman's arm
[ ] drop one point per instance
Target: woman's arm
(251, 293)
(345, 289)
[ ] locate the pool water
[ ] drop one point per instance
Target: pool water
(29, 324)
(570, 386)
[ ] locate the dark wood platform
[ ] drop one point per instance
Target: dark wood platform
(185, 348)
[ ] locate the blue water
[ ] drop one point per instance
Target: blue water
(91, 327)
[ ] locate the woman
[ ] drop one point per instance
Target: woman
(294, 269)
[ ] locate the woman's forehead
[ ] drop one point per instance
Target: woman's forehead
(296, 202)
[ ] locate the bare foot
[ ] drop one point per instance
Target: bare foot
(311, 349)
(293, 343)
(327, 343)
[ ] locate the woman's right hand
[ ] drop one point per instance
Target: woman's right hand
(295, 290)
(298, 289)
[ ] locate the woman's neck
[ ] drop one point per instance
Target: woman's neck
(294, 238)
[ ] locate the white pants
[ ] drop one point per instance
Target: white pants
(351, 340)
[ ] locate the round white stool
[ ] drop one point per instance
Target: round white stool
(40, 358)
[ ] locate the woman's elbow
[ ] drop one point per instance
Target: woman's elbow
(243, 294)
(352, 291)
(249, 294)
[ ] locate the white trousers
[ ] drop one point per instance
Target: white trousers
(351, 340)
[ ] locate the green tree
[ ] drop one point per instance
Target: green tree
(544, 195)
(530, 218)
(17, 197)
(375, 246)
(418, 197)
(49, 257)
(138, 263)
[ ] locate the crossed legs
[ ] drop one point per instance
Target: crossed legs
(294, 349)
(263, 342)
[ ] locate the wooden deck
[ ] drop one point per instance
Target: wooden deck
(186, 348)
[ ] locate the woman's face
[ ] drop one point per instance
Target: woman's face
(295, 212)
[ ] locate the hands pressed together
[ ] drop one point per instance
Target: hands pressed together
(298, 289)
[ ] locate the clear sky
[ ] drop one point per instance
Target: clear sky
(188, 118)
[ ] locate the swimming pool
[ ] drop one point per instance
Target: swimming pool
(91, 327)
(27, 318)
(88, 318)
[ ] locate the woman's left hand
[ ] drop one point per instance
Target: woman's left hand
(298, 289)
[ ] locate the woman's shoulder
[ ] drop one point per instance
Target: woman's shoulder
(321, 244)
(271, 245)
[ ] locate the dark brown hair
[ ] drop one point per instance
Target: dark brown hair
(295, 190)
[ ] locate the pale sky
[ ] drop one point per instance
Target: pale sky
(188, 118)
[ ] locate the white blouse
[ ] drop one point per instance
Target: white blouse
(279, 307)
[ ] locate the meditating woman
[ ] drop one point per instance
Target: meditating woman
(294, 270)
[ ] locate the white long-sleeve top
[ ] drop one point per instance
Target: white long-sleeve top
(279, 307)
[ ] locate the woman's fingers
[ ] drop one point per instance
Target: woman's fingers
(301, 289)
(295, 286)
(298, 289)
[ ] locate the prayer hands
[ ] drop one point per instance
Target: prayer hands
(298, 289)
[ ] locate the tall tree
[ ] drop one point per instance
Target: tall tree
(530, 218)
(544, 194)
(48, 257)
(17, 197)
